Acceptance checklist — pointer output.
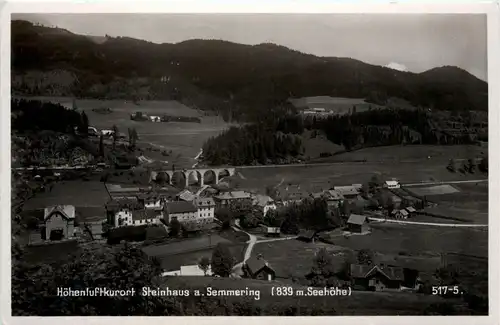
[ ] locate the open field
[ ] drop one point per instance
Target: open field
(77, 193)
(325, 176)
(342, 105)
(294, 258)
(174, 262)
(185, 139)
(51, 253)
(359, 302)
(470, 204)
(433, 190)
(397, 154)
(418, 240)
(189, 251)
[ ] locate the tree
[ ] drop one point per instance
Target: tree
(471, 163)
(101, 146)
(365, 257)
(204, 264)
(225, 216)
(120, 267)
(465, 167)
(323, 271)
(375, 183)
(365, 190)
(84, 124)
(222, 261)
(132, 137)
(452, 166)
(175, 227)
(271, 191)
(115, 135)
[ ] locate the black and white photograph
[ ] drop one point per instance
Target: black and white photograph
(249, 164)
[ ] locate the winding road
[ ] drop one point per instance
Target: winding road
(237, 269)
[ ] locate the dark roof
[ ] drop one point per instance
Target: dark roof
(364, 271)
(67, 211)
(180, 207)
(123, 203)
(318, 195)
(205, 202)
(309, 234)
(255, 265)
(356, 219)
(143, 214)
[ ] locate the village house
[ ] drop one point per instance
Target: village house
(291, 194)
(333, 198)
(181, 210)
(151, 201)
(271, 231)
(392, 184)
(226, 198)
(376, 277)
(411, 211)
(206, 209)
(185, 195)
(400, 214)
(357, 223)
(264, 202)
(189, 270)
(123, 217)
(59, 222)
(349, 192)
(306, 235)
(146, 217)
(258, 268)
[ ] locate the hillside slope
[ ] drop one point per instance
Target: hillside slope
(218, 75)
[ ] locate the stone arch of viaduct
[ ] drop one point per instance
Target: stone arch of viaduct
(199, 175)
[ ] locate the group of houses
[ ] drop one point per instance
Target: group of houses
(128, 209)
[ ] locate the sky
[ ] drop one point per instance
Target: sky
(411, 42)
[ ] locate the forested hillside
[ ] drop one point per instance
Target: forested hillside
(233, 79)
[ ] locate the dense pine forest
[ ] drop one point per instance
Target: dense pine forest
(34, 115)
(279, 139)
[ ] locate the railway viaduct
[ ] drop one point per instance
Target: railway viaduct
(184, 177)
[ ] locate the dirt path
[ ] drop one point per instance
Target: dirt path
(237, 269)
(275, 239)
(427, 223)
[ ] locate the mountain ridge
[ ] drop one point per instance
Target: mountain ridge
(225, 76)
